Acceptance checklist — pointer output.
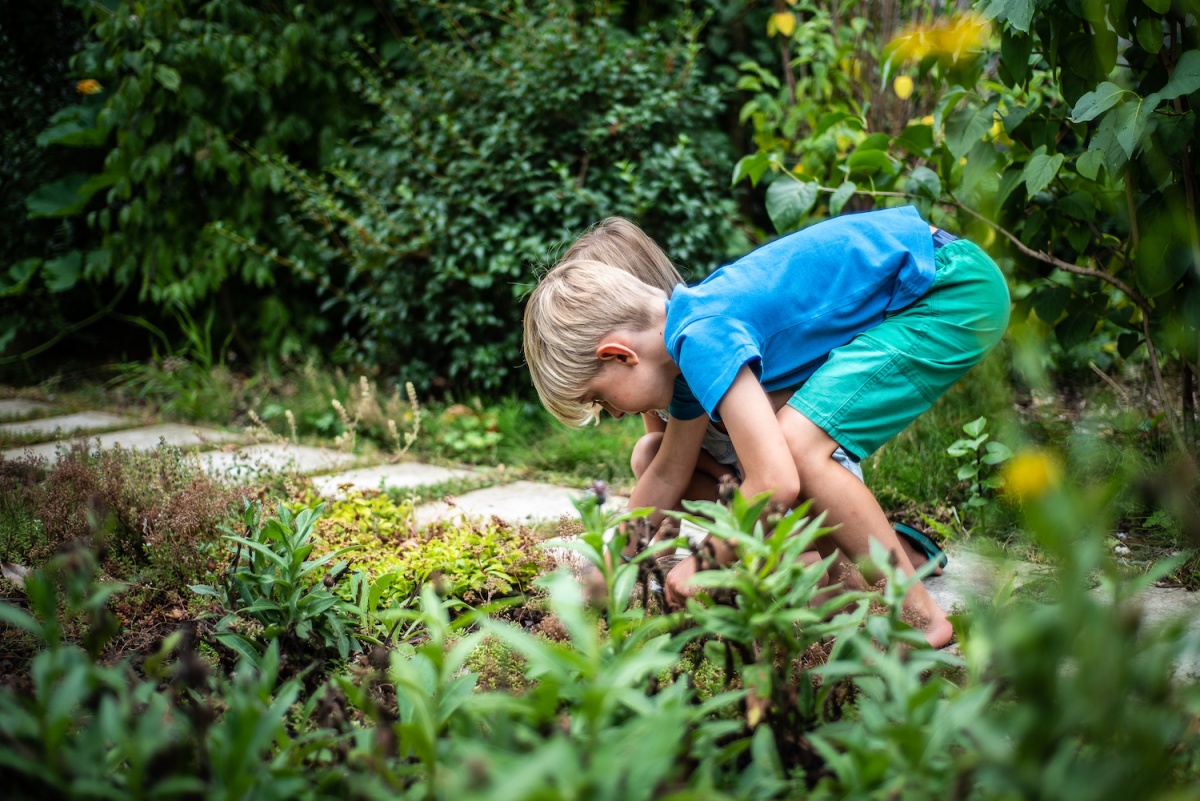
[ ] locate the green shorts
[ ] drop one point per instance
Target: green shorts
(872, 387)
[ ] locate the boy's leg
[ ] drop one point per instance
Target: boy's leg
(850, 506)
(873, 387)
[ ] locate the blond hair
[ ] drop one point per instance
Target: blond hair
(573, 307)
(622, 244)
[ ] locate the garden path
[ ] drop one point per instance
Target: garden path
(971, 578)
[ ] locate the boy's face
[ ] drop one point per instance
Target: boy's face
(622, 387)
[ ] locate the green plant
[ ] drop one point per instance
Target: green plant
(468, 434)
(472, 561)
(279, 591)
(980, 457)
(87, 728)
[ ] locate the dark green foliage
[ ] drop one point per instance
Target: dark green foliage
(180, 89)
(36, 43)
(499, 139)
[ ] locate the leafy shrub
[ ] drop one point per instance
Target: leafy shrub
(472, 561)
(502, 133)
(176, 91)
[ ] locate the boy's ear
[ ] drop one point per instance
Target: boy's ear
(612, 350)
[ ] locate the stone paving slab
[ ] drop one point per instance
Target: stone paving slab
(973, 578)
(521, 502)
(68, 423)
(387, 476)
(141, 439)
(20, 407)
(271, 458)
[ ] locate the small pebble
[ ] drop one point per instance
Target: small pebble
(1121, 550)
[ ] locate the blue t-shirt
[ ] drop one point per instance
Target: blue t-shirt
(783, 307)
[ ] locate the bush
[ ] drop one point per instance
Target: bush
(501, 134)
(174, 92)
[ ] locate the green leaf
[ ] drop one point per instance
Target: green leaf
(1013, 177)
(1040, 170)
(843, 193)
(1015, 50)
(966, 471)
(868, 161)
(18, 277)
(1050, 302)
(204, 589)
(788, 200)
(168, 77)
(1158, 6)
(1088, 165)
(59, 198)
(975, 427)
(751, 167)
(1127, 343)
(997, 452)
(1163, 256)
(1150, 34)
(1017, 12)
(924, 181)
(1105, 138)
(916, 139)
(62, 273)
(1080, 205)
(1015, 116)
(967, 126)
(1185, 79)
(1075, 329)
(1097, 101)
(1131, 136)
(13, 616)
(75, 126)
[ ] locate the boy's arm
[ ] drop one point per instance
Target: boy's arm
(766, 461)
(666, 479)
(653, 423)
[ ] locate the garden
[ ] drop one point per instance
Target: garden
(310, 229)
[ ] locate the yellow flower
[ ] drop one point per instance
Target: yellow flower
(88, 86)
(903, 87)
(927, 119)
(1031, 474)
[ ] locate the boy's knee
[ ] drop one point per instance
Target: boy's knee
(644, 452)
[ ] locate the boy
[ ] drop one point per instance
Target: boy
(858, 311)
(619, 243)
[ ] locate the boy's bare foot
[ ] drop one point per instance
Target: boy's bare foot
(939, 634)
